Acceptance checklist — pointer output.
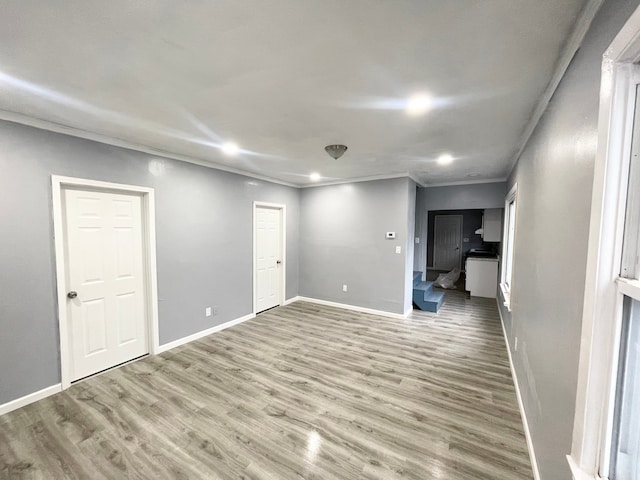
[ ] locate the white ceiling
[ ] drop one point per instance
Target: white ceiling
(284, 78)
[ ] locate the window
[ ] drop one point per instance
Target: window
(510, 207)
(606, 435)
(625, 446)
(625, 427)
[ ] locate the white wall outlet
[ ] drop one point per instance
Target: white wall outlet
(417, 239)
(207, 312)
(398, 249)
(344, 288)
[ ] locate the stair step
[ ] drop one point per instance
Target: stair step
(428, 300)
(417, 277)
(424, 286)
(434, 296)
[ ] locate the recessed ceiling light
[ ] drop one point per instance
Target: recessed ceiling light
(230, 149)
(418, 104)
(445, 159)
(314, 177)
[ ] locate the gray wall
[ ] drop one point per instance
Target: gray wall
(342, 241)
(456, 197)
(463, 197)
(554, 176)
(204, 243)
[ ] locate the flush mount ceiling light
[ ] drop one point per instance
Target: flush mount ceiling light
(445, 159)
(418, 104)
(335, 151)
(230, 149)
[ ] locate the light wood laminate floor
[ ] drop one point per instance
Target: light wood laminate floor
(300, 392)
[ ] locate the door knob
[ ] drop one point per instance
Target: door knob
(72, 294)
(278, 262)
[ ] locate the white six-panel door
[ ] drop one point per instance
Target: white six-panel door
(268, 257)
(104, 267)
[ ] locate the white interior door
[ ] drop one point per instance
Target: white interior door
(105, 278)
(268, 257)
(446, 247)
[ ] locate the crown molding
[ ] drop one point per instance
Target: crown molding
(117, 142)
(469, 182)
(370, 178)
(573, 44)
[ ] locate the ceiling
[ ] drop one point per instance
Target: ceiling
(284, 78)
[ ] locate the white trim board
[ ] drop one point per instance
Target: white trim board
(30, 398)
(523, 415)
(150, 265)
(291, 300)
(577, 473)
(370, 178)
(355, 308)
(464, 182)
(204, 333)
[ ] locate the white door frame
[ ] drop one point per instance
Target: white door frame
(282, 274)
(149, 254)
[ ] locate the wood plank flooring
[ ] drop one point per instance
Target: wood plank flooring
(301, 392)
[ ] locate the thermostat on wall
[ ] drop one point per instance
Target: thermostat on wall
(390, 235)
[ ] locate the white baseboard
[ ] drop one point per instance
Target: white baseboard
(32, 397)
(204, 333)
(291, 300)
(352, 307)
(523, 414)
(46, 392)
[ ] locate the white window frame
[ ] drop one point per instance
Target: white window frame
(604, 289)
(508, 255)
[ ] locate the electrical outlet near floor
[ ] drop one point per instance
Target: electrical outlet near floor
(344, 288)
(207, 312)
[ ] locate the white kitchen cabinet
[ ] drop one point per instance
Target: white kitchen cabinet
(492, 225)
(482, 277)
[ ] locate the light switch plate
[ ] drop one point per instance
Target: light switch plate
(207, 312)
(398, 249)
